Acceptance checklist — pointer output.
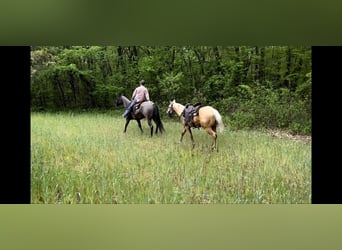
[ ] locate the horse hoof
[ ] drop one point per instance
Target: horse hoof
(214, 149)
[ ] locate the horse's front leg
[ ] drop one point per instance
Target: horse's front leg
(182, 134)
(186, 128)
(192, 138)
(139, 125)
(126, 124)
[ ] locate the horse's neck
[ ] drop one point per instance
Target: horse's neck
(125, 101)
(178, 108)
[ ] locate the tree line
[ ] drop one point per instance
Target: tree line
(253, 86)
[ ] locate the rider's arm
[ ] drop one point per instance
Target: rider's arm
(147, 95)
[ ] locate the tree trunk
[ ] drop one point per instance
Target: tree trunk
(287, 81)
(219, 69)
(201, 60)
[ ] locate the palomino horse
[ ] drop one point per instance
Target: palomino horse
(147, 110)
(207, 118)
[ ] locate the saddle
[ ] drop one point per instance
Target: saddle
(189, 112)
(136, 107)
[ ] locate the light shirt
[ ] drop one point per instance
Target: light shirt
(141, 94)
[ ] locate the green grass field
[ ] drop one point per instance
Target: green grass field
(86, 158)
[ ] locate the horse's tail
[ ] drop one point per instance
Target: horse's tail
(219, 122)
(157, 120)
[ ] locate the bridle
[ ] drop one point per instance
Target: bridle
(171, 110)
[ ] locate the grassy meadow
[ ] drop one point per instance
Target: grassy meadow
(86, 158)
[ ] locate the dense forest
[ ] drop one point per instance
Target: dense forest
(253, 87)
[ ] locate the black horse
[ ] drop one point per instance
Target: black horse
(148, 110)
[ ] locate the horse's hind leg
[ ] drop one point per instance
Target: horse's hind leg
(215, 139)
(151, 126)
(213, 134)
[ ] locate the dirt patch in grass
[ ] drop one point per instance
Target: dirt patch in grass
(287, 135)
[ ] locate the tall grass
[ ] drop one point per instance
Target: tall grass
(86, 158)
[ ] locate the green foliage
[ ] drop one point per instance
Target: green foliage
(258, 87)
(304, 90)
(172, 85)
(273, 109)
(148, 66)
(213, 88)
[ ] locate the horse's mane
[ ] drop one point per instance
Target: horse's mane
(123, 96)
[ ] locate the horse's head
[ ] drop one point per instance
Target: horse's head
(170, 109)
(119, 101)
